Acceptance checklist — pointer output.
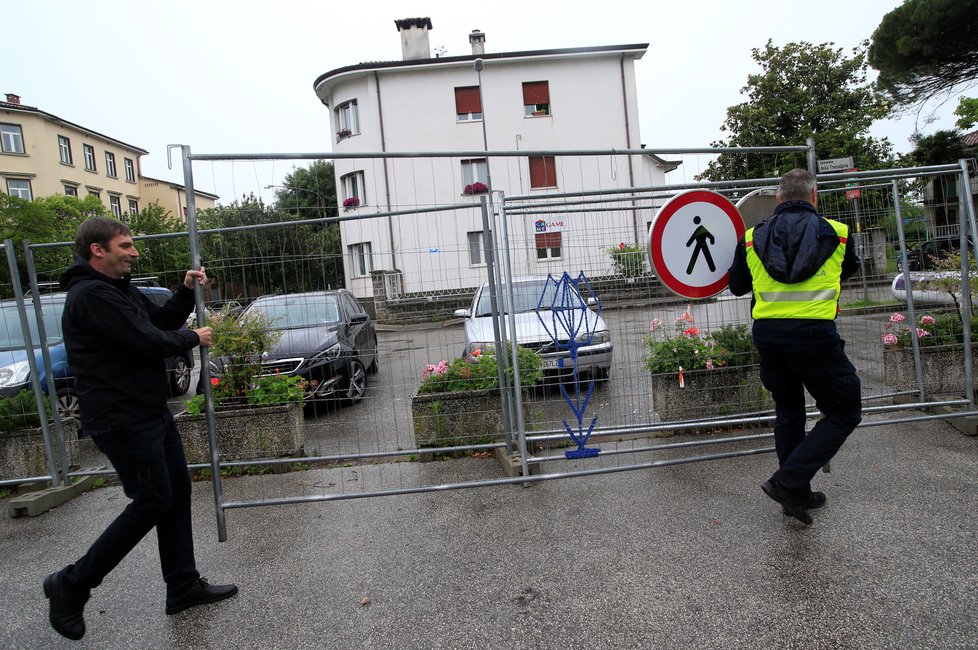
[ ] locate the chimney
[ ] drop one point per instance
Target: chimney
(478, 42)
(13, 99)
(414, 37)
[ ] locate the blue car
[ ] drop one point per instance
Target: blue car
(15, 373)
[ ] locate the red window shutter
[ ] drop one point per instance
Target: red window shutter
(467, 100)
(548, 240)
(536, 92)
(543, 171)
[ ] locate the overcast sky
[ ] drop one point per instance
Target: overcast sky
(236, 76)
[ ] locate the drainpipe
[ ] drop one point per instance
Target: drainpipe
(628, 145)
(387, 185)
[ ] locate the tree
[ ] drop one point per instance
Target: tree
(939, 148)
(924, 47)
(309, 192)
(967, 112)
(803, 91)
(166, 259)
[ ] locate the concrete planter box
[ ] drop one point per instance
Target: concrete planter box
(22, 452)
(245, 433)
(461, 418)
(942, 365)
(709, 393)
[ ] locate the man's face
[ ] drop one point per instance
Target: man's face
(115, 260)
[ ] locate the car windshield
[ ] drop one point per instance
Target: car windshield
(11, 333)
(526, 296)
(299, 311)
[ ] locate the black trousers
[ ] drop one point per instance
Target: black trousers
(829, 376)
(150, 461)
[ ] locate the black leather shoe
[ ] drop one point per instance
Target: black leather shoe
(792, 502)
(66, 608)
(814, 500)
(200, 593)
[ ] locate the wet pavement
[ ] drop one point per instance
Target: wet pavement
(690, 555)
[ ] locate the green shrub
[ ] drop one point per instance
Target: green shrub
(690, 349)
(20, 412)
(628, 259)
(478, 374)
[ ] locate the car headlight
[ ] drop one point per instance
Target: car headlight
(15, 374)
(604, 336)
(332, 352)
(478, 348)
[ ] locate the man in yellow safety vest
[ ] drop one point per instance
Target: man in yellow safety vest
(794, 262)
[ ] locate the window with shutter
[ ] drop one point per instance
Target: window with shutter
(543, 171)
(548, 245)
(468, 104)
(536, 98)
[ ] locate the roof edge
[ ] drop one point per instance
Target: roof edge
(33, 109)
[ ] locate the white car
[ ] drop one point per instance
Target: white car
(540, 314)
(924, 290)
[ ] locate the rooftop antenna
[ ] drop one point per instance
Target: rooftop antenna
(439, 51)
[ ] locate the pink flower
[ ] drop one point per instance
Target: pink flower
(889, 339)
(654, 324)
(926, 320)
(921, 333)
(691, 331)
(897, 317)
(709, 364)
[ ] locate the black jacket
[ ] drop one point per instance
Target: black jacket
(117, 343)
(792, 245)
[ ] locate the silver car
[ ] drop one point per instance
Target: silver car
(541, 315)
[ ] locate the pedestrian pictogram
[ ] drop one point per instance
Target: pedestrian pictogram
(692, 241)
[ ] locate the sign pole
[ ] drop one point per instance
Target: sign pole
(859, 247)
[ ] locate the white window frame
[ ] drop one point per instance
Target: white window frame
(475, 170)
(361, 259)
(130, 170)
(347, 119)
(133, 205)
(115, 205)
(64, 150)
(21, 188)
(11, 138)
(475, 241)
(110, 164)
(354, 187)
(89, 158)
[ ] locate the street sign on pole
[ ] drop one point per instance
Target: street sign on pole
(692, 241)
(834, 165)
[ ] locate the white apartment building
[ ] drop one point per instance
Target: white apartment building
(540, 100)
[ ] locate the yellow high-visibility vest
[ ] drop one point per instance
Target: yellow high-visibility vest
(815, 298)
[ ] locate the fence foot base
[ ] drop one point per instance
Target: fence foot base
(966, 425)
(512, 464)
(37, 503)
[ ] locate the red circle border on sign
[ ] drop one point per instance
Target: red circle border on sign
(659, 225)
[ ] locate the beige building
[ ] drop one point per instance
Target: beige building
(42, 155)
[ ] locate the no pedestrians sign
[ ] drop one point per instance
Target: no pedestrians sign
(692, 241)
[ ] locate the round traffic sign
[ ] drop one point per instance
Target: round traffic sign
(692, 241)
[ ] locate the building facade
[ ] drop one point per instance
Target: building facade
(537, 101)
(43, 155)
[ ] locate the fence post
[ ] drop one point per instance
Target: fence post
(490, 254)
(908, 283)
(966, 218)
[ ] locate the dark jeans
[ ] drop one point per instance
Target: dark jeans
(150, 462)
(831, 379)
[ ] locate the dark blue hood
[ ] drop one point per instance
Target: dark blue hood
(795, 242)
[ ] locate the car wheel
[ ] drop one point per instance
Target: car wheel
(180, 377)
(68, 403)
(357, 385)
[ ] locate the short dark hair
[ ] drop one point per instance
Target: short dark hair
(796, 185)
(97, 230)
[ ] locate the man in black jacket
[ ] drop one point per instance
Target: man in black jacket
(794, 262)
(117, 341)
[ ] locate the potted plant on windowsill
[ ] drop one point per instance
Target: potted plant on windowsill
(256, 416)
(459, 403)
(698, 375)
(342, 134)
(475, 188)
(351, 203)
(22, 451)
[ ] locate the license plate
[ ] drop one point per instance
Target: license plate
(548, 364)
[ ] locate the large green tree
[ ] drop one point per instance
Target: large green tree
(803, 91)
(167, 259)
(925, 47)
